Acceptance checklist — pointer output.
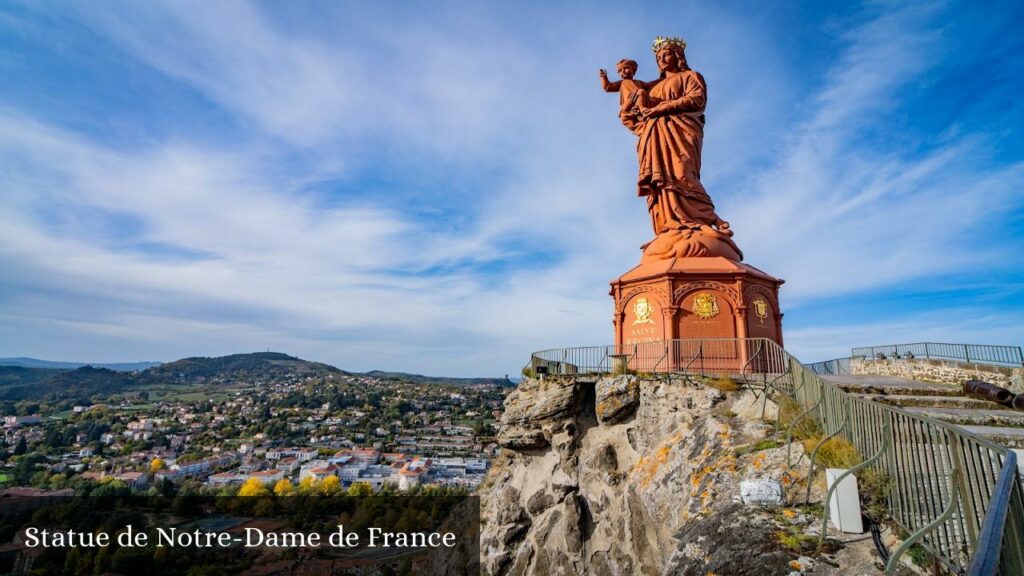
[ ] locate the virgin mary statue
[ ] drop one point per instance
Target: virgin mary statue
(668, 118)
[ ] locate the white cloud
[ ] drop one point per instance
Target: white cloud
(252, 257)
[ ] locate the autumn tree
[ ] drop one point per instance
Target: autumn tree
(307, 486)
(253, 487)
(283, 487)
(330, 485)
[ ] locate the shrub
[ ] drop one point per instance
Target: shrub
(837, 452)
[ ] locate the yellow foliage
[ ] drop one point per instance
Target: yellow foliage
(156, 464)
(836, 453)
(283, 487)
(330, 485)
(253, 487)
(308, 485)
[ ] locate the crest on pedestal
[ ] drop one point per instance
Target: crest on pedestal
(760, 309)
(705, 305)
(642, 311)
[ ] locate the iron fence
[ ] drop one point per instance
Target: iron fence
(955, 493)
(839, 366)
(979, 353)
(724, 356)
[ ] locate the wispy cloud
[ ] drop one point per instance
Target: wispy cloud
(453, 196)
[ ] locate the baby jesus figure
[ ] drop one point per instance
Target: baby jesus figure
(631, 92)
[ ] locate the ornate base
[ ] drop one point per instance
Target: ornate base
(687, 243)
(690, 298)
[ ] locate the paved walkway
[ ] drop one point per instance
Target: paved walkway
(886, 381)
(942, 402)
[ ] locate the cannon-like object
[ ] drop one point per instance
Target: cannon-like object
(1018, 402)
(990, 392)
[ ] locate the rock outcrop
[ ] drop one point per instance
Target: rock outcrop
(622, 475)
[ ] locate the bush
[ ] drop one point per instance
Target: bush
(837, 452)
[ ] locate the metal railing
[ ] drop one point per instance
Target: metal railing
(957, 494)
(979, 353)
(840, 366)
(722, 356)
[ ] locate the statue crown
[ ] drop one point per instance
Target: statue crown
(663, 40)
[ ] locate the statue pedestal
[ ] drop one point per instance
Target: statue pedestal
(695, 298)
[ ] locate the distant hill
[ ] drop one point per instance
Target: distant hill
(18, 377)
(256, 366)
(420, 379)
(20, 383)
(36, 363)
(85, 382)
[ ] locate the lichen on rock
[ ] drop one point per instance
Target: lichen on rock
(641, 479)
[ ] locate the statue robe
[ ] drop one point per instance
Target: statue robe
(669, 151)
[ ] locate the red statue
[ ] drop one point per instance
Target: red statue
(668, 117)
(691, 282)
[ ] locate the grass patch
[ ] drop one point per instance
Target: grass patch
(757, 447)
(874, 487)
(724, 384)
(837, 452)
(920, 555)
(807, 427)
(794, 540)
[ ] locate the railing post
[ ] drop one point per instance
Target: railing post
(926, 354)
(966, 501)
(700, 352)
(890, 567)
(967, 354)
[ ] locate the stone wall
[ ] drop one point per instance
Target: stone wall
(942, 371)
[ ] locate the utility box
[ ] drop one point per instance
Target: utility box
(844, 506)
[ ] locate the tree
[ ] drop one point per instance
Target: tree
(307, 486)
(253, 487)
(156, 464)
(21, 447)
(283, 487)
(330, 486)
(360, 489)
(54, 439)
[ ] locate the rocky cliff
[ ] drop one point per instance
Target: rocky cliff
(623, 475)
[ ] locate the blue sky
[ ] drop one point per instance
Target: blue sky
(443, 187)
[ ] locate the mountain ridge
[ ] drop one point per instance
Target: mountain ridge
(86, 381)
(26, 362)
